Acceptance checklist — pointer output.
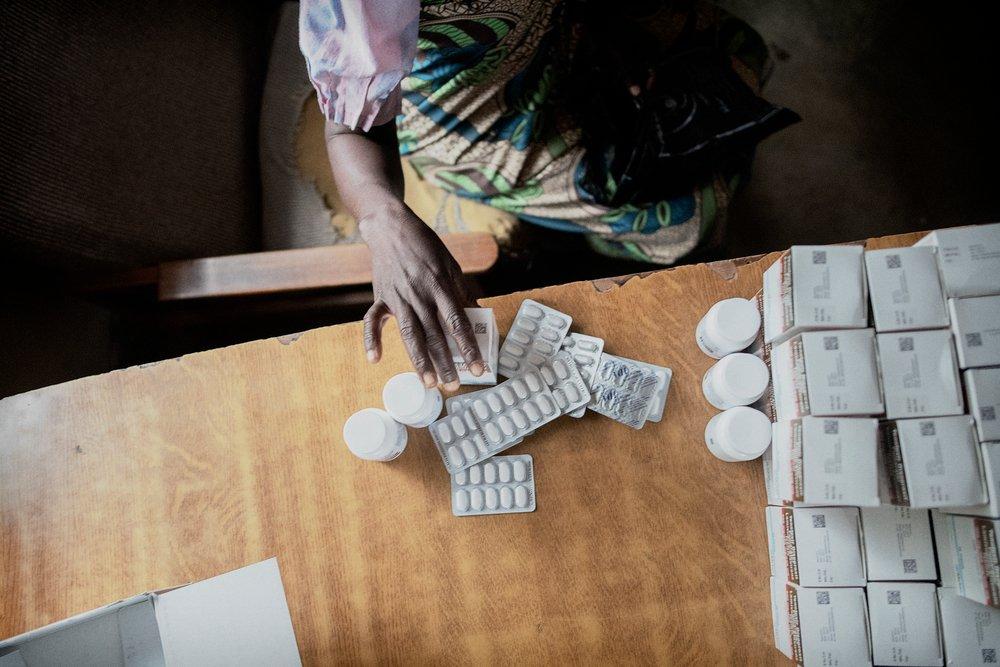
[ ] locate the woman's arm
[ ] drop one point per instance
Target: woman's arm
(414, 276)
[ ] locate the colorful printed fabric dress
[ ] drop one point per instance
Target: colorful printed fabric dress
(479, 118)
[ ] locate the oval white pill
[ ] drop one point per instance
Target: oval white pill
(475, 475)
(532, 412)
(521, 496)
(549, 335)
(519, 419)
(569, 342)
(534, 312)
(458, 426)
(507, 395)
(545, 405)
(582, 360)
(527, 324)
(480, 444)
(520, 336)
(455, 456)
(503, 469)
(462, 500)
(506, 496)
(520, 470)
(513, 348)
(506, 425)
(495, 403)
(493, 433)
(572, 393)
(519, 388)
(469, 450)
(481, 408)
(489, 472)
(560, 397)
(535, 359)
(588, 345)
(444, 433)
(559, 366)
(548, 375)
(555, 321)
(476, 499)
(545, 348)
(460, 478)
(491, 498)
(533, 383)
(509, 363)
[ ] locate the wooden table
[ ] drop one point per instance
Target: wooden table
(644, 548)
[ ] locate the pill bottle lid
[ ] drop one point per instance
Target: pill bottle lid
(745, 431)
(736, 320)
(367, 431)
(742, 374)
(404, 395)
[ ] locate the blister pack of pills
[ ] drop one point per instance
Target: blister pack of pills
(631, 392)
(568, 387)
(454, 404)
(497, 418)
(534, 338)
(586, 351)
(500, 485)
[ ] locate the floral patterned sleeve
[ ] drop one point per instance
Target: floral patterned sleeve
(357, 52)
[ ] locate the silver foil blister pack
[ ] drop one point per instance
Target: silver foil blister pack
(628, 391)
(500, 485)
(586, 352)
(534, 338)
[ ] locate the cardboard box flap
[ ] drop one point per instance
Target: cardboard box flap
(240, 617)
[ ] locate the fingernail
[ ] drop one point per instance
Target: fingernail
(477, 368)
(372, 357)
(430, 380)
(451, 386)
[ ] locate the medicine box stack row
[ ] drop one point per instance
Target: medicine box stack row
(882, 475)
(550, 370)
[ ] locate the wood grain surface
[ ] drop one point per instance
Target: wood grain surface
(644, 548)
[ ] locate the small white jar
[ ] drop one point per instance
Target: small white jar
(736, 379)
(409, 402)
(373, 435)
(738, 434)
(728, 326)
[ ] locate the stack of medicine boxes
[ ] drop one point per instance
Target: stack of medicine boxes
(879, 458)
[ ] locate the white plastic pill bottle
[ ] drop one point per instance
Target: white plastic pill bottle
(728, 326)
(409, 402)
(738, 434)
(373, 435)
(736, 379)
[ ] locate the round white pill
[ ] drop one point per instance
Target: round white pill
(519, 419)
(444, 433)
(489, 472)
(534, 312)
(503, 468)
(469, 450)
(507, 395)
(475, 475)
(506, 425)
(460, 478)
(532, 412)
(520, 470)
(462, 500)
(455, 456)
(506, 497)
(545, 405)
(481, 408)
(476, 499)
(494, 402)
(491, 498)
(493, 433)
(458, 426)
(533, 383)
(519, 388)
(548, 375)
(521, 496)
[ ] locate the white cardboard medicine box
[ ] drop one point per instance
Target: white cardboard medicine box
(919, 374)
(898, 544)
(826, 374)
(971, 630)
(968, 259)
(815, 287)
(484, 328)
(826, 461)
(968, 556)
(905, 289)
(976, 324)
(238, 618)
(904, 622)
(820, 626)
(982, 388)
(816, 546)
(933, 462)
(991, 468)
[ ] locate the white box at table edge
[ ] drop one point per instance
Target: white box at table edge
(975, 324)
(849, 304)
(910, 276)
(850, 601)
(893, 535)
(843, 534)
(239, 617)
(971, 631)
(916, 603)
(940, 390)
(968, 258)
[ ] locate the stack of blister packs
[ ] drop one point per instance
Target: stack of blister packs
(550, 372)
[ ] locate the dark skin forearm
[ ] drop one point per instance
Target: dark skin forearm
(414, 277)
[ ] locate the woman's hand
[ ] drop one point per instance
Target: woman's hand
(417, 281)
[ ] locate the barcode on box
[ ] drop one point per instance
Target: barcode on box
(831, 343)
(988, 413)
(831, 426)
(822, 597)
(893, 597)
(974, 339)
(819, 521)
(892, 262)
(989, 656)
(906, 344)
(819, 256)
(909, 565)
(927, 429)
